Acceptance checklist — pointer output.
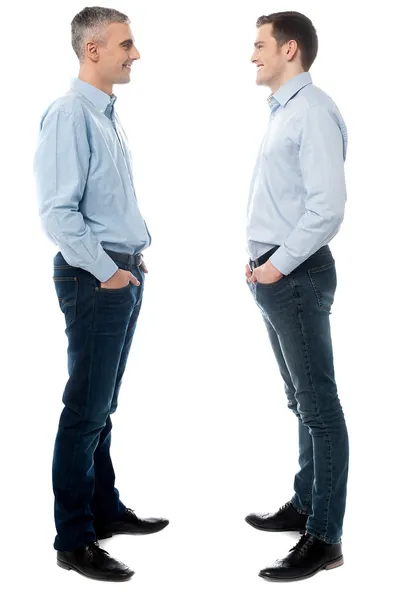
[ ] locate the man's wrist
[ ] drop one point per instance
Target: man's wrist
(110, 276)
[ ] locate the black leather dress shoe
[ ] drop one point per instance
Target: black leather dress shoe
(307, 558)
(287, 518)
(94, 562)
(131, 524)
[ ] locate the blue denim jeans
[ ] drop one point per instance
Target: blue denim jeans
(100, 324)
(296, 311)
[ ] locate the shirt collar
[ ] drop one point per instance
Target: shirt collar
(289, 89)
(97, 97)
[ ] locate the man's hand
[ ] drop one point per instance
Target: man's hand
(143, 266)
(119, 280)
(248, 273)
(266, 273)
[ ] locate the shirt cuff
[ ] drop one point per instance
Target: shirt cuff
(103, 268)
(284, 261)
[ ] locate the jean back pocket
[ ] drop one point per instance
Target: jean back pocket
(324, 283)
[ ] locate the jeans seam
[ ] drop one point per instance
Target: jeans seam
(308, 502)
(293, 406)
(314, 402)
(298, 510)
(323, 538)
(91, 333)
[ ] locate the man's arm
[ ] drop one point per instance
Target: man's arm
(61, 166)
(321, 157)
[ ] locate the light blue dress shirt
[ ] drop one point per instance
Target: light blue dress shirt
(298, 192)
(84, 181)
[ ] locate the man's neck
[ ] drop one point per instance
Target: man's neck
(283, 79)
(95, 81)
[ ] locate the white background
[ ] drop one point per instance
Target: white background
(202, 434)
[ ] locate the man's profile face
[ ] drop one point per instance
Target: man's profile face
(117, 54)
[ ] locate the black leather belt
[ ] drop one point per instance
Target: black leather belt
(253, 264)
(131, 260)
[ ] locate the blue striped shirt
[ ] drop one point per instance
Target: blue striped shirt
(298, 192)
(84, 181)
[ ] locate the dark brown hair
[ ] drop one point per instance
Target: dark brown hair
(292, 25)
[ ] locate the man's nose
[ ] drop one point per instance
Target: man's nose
(135, 54)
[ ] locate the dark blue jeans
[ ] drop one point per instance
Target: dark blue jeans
(100, 324)
(296, 312)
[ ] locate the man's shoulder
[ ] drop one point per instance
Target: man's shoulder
(69, 104)
(313, 104)
(313, 98)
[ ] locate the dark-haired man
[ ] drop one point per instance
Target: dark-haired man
(296, 206)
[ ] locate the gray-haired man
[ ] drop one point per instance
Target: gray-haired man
(88, 207)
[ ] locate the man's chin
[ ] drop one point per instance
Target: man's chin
(122, 80)
(261, 81)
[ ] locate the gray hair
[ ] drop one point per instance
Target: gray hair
(91, 22)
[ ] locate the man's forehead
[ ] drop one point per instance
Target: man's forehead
(264, 32)
(121, 30)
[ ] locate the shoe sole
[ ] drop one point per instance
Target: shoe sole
(68, 567)
(107, 535)
(255, 526)
(333, 564)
